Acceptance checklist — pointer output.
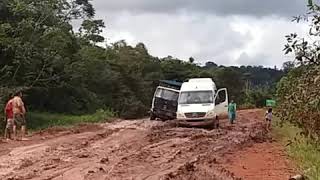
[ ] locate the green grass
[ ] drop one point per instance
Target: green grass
(302, 150)
(40, 120)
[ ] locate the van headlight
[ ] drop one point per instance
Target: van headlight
(180, 115)
(211, 114)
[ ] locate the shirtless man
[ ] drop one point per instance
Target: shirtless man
(19, 112)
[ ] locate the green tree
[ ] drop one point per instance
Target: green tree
(91, 30)
(287, 66)
(211, 64)
(191, 60)
(233, 81)
(298, 92)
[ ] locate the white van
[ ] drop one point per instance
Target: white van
(201, 104)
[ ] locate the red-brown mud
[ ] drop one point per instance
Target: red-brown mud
(266, 161)
(139, 149)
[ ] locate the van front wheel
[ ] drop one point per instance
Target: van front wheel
(217, 125)
(153, 117)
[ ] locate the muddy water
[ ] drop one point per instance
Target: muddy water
(139, 149)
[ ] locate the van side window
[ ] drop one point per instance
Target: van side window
(221, 97)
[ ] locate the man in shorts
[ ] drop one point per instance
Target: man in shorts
(19, 112)
(9, 118)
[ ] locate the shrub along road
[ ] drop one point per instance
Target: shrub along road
(141, 149)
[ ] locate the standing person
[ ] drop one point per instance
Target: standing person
(232, 108)
(19, 112)
(268, 119)
(8, 111)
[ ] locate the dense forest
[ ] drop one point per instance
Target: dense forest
(63, 70)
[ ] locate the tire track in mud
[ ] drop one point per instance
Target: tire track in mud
(139, 149)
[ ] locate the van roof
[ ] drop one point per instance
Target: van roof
(201, 80)
(198, 86)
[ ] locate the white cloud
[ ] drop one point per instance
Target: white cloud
(228, 40)
(268, 42)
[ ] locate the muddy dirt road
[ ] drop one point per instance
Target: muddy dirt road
(138, 150)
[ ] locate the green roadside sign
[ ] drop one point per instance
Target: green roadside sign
(270, 103)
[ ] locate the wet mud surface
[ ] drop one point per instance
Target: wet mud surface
(133, 150)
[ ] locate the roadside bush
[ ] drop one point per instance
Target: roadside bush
(246, 106)
(132, 108)
(299, 100)
(257, 97)
(37, 120)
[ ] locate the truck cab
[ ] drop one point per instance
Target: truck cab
(201, 104)
(165, 100)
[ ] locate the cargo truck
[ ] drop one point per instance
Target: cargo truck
(165, 100)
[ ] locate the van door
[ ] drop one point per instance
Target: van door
(221, 103)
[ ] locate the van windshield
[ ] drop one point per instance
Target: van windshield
(167, 94)
(196, 97)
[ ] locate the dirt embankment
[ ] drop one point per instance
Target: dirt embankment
(139, 149)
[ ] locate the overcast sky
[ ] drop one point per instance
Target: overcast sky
(228, 32)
